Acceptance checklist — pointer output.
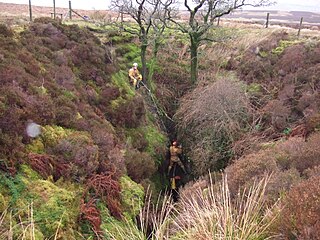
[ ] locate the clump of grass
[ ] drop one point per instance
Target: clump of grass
(208, 214)
(215, 215)
(152, 222)
(25, 228)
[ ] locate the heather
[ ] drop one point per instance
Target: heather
(98, 169)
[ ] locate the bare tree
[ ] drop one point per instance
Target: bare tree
(159, 23)
(201, 19)
(150, 16)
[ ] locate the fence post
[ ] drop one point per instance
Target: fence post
(267, 23)
(218, 21)
(54, 9)
(70, 10)
(30, 10)
(121, 19)
(300, 25)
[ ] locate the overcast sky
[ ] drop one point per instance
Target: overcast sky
(288, 5)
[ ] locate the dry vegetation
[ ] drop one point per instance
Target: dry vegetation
(61, 77)
(254, 112)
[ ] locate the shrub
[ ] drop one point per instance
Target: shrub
(11, 152)
(51, 135)
(78, 150)
(137, 139)
(280, 183)
(79, 35)
(244, 171)
(50, 34)
(5, 31)
(116, 158)
(104, 138)
(107, 187)
(254, 69)
(313, 172)
(89, 212)
(292, 59)
(47, 165)
(108, 94)
(296, 153)
(64, 77)
(278, 114)
(130, 113)
(140, 165)
(300, 215)
(219, 114)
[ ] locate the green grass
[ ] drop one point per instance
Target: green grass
(283, 45)
(121, 80)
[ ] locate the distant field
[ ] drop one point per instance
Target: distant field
(12, 12)
(277, 17)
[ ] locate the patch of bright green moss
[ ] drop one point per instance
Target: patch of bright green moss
(52, 134)
(254, 88)
(36, 146)
(29, 173)
(54, 206)
(156, 140)
(13, 187)
(124, 37)
(132, 197)
(121, 80)
(283, 44)
(263, 54)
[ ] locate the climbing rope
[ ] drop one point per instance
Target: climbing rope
(159, 110)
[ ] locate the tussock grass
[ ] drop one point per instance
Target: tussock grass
(215, 215)
(152, 222)
(23, 229)
(236, 43)
(209, 214)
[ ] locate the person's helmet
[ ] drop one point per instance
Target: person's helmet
(175, 143)
(135, 64)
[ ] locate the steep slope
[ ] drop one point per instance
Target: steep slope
(94, 130)
(256, 113)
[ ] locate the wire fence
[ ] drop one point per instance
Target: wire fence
(294, 19)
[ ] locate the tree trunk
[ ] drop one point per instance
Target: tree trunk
(153, 63)
(194, 61)
(143, 60)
